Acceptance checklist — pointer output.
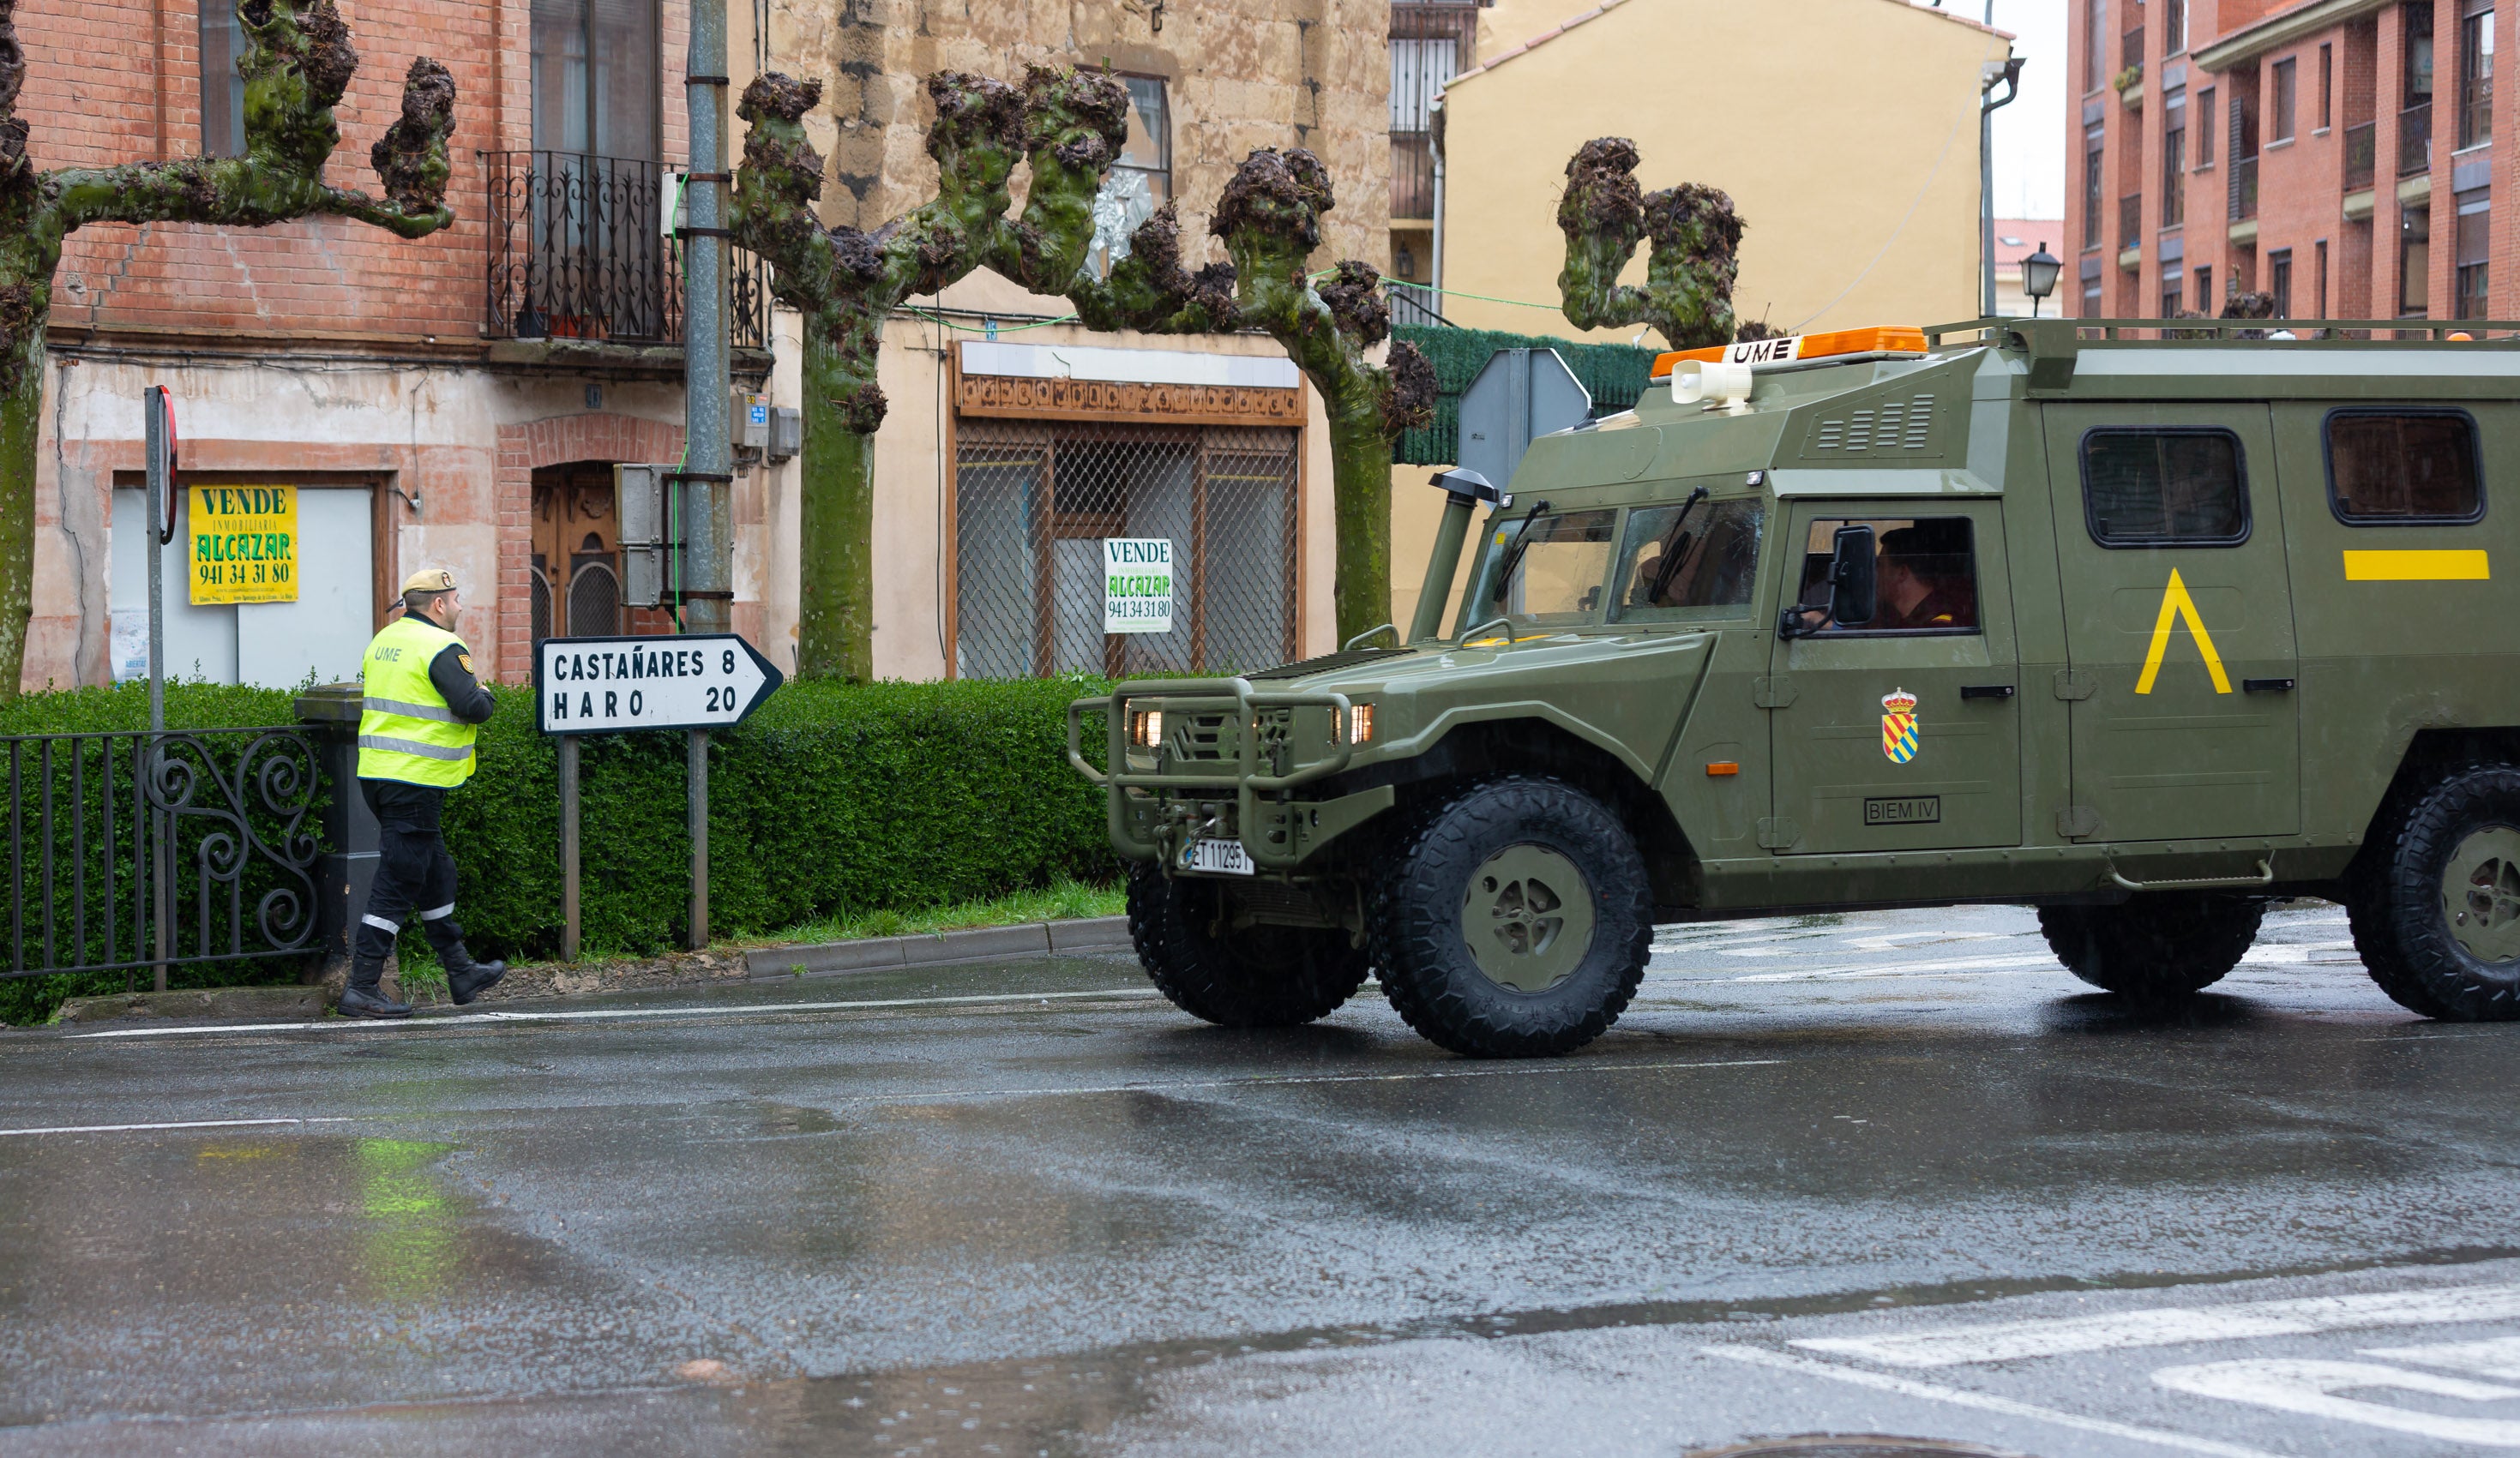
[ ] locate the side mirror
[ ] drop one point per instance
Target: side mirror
(1853, 594)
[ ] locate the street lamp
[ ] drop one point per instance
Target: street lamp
(2038, 275)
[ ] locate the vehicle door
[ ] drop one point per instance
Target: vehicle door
(1901, 734)
(2179, 626)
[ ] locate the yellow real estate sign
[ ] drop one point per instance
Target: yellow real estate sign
(245, 544)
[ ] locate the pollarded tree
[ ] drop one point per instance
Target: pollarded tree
(1687, 292)
(297, 62)
(1270, 218)
(1066, 125)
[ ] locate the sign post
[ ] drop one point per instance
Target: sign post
(158, 429)
(695, 683)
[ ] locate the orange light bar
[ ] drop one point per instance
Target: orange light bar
(1881, 339)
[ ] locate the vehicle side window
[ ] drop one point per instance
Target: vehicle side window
(2388, 467)
(1564, 564)
(1925, 571)
(1674, 570)
(2165, 486)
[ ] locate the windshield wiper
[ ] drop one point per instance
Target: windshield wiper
(1669, 566)
(1513, 552)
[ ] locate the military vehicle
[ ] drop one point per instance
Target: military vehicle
(2143, 631)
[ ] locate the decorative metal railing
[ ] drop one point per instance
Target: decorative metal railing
(2415, 138)
(2131, 220)
(582, 248)
(132, 849)
(2245, 188)
(2362, 155)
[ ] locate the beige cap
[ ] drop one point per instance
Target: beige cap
(433, 580)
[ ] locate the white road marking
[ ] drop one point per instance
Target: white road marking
(1983, 1401)
(2308, 1387)
(125, 1128)
(2174, 1326)
(1271, 1080)
(2495, 1356)
(1909, 940)
(2015, 963)
(2302, 954)
(477, 1019)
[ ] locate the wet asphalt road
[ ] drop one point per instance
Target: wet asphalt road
(1030, 1209)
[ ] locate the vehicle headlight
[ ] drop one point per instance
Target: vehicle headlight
(1147, 728)
(1359, 723)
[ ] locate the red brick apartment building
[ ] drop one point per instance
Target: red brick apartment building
(2338, 155)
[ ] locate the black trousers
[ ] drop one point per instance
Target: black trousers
(414, 872)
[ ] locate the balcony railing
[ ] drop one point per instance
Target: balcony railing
(2131, 220)
(2245, 188)
(2130, 54)
(1413, 175)
(2361, 151)
(580, 249)
(2415, 139)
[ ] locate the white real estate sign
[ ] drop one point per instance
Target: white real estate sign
(601, 685)
(1136, 585)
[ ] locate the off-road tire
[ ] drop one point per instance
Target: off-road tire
(1254, 976)
(2157, 948)
(2400, 909)
(1422, 949)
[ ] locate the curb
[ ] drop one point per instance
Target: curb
(1089, 937)
(249, 1005)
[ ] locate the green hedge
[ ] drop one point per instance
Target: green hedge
(1615, 373)
(830, 800)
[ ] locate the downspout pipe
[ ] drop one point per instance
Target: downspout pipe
(2008, 72)
(1436, 264)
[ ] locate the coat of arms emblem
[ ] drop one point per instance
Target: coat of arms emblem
(1899, 726)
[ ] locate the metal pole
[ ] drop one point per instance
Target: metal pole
(710, 456)
(568, 928)
(695, 754)
(152, 401)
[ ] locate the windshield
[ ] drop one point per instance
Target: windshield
(1559, 577)
(1681, 567)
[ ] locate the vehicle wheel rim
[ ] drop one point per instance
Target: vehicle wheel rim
(2481, 894)
(1528, 918)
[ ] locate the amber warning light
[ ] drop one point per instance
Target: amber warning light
(1792, 348)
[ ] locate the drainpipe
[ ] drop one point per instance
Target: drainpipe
(1435, 266)
(708, 483)
(2008, 71)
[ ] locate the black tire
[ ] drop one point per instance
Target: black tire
(1254, 976)
(2155, 950)
(2413, 934)
(1428, 969)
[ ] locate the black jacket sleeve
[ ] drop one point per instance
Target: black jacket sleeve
(452, 680)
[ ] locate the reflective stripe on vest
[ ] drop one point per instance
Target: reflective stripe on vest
(406, 729)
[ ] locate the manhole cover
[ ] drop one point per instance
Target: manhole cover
(1853, 1445)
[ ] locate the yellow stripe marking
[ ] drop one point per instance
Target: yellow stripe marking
(2464, 565)
(2177, 605)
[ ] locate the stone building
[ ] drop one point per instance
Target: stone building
(459, 400)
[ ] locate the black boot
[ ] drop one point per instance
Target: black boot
(363, 994)
(467, 978)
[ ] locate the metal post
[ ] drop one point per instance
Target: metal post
(710, 456)
(159, 456)
(569, 848)
(695, 754)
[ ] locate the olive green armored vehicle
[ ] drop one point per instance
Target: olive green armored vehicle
(2141, 632)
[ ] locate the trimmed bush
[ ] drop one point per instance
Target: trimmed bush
(831, 799)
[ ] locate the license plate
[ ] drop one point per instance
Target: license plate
(1222, 858)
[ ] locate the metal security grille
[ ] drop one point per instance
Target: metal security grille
(1033, 502)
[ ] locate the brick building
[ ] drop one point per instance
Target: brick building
(2337, 155)
(460, 400)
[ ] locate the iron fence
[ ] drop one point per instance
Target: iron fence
(2362, 155)
(1034, 502)
(581, 248)
(2415, 138)
(2130, 51)
(2245, 188)
(2131, 220)
(132, 849)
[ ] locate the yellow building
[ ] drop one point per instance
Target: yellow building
(1846, 132)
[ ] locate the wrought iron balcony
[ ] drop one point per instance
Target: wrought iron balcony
(1413, 175)
(2131, 220)
(2130, 54)
(580, 249)
(2245, 188)
(2415, 139)
(2361, 153)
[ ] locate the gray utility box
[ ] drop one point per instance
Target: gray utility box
(786, 433)
(1520, 395)
(638, 499)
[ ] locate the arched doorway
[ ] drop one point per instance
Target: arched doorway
(577, 570)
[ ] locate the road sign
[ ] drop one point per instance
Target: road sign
(605, 686)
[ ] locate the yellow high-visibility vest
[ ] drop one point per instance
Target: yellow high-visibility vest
(406, 731)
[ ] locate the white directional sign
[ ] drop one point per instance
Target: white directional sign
(602, 686)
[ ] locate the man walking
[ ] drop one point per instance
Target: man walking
(416, 737)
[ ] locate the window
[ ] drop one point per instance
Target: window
(2280, 114)
(596, 86)
(2174, 26)
(2173, 159)
(2095, 47)
(2172, 293)
(2279, 280)
(1141, 181)
(2416, 79)
(2204, 287)
(2319, 261)
(2403, 466)
(2092, 143)
(1557, 580)
(2414, 262)
(2091, 300)
(223, 44)
(2164, 486)
(2476, 73)
(2205, 127)
(2326, 86)
(1685, 571)
(2474, 251)
(1925, 567)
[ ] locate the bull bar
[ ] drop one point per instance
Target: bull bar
(1242, 774)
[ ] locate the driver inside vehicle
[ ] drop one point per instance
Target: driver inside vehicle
(1926, 581)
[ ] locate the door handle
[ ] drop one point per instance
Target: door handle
(2267, 686)
(1987, 691)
